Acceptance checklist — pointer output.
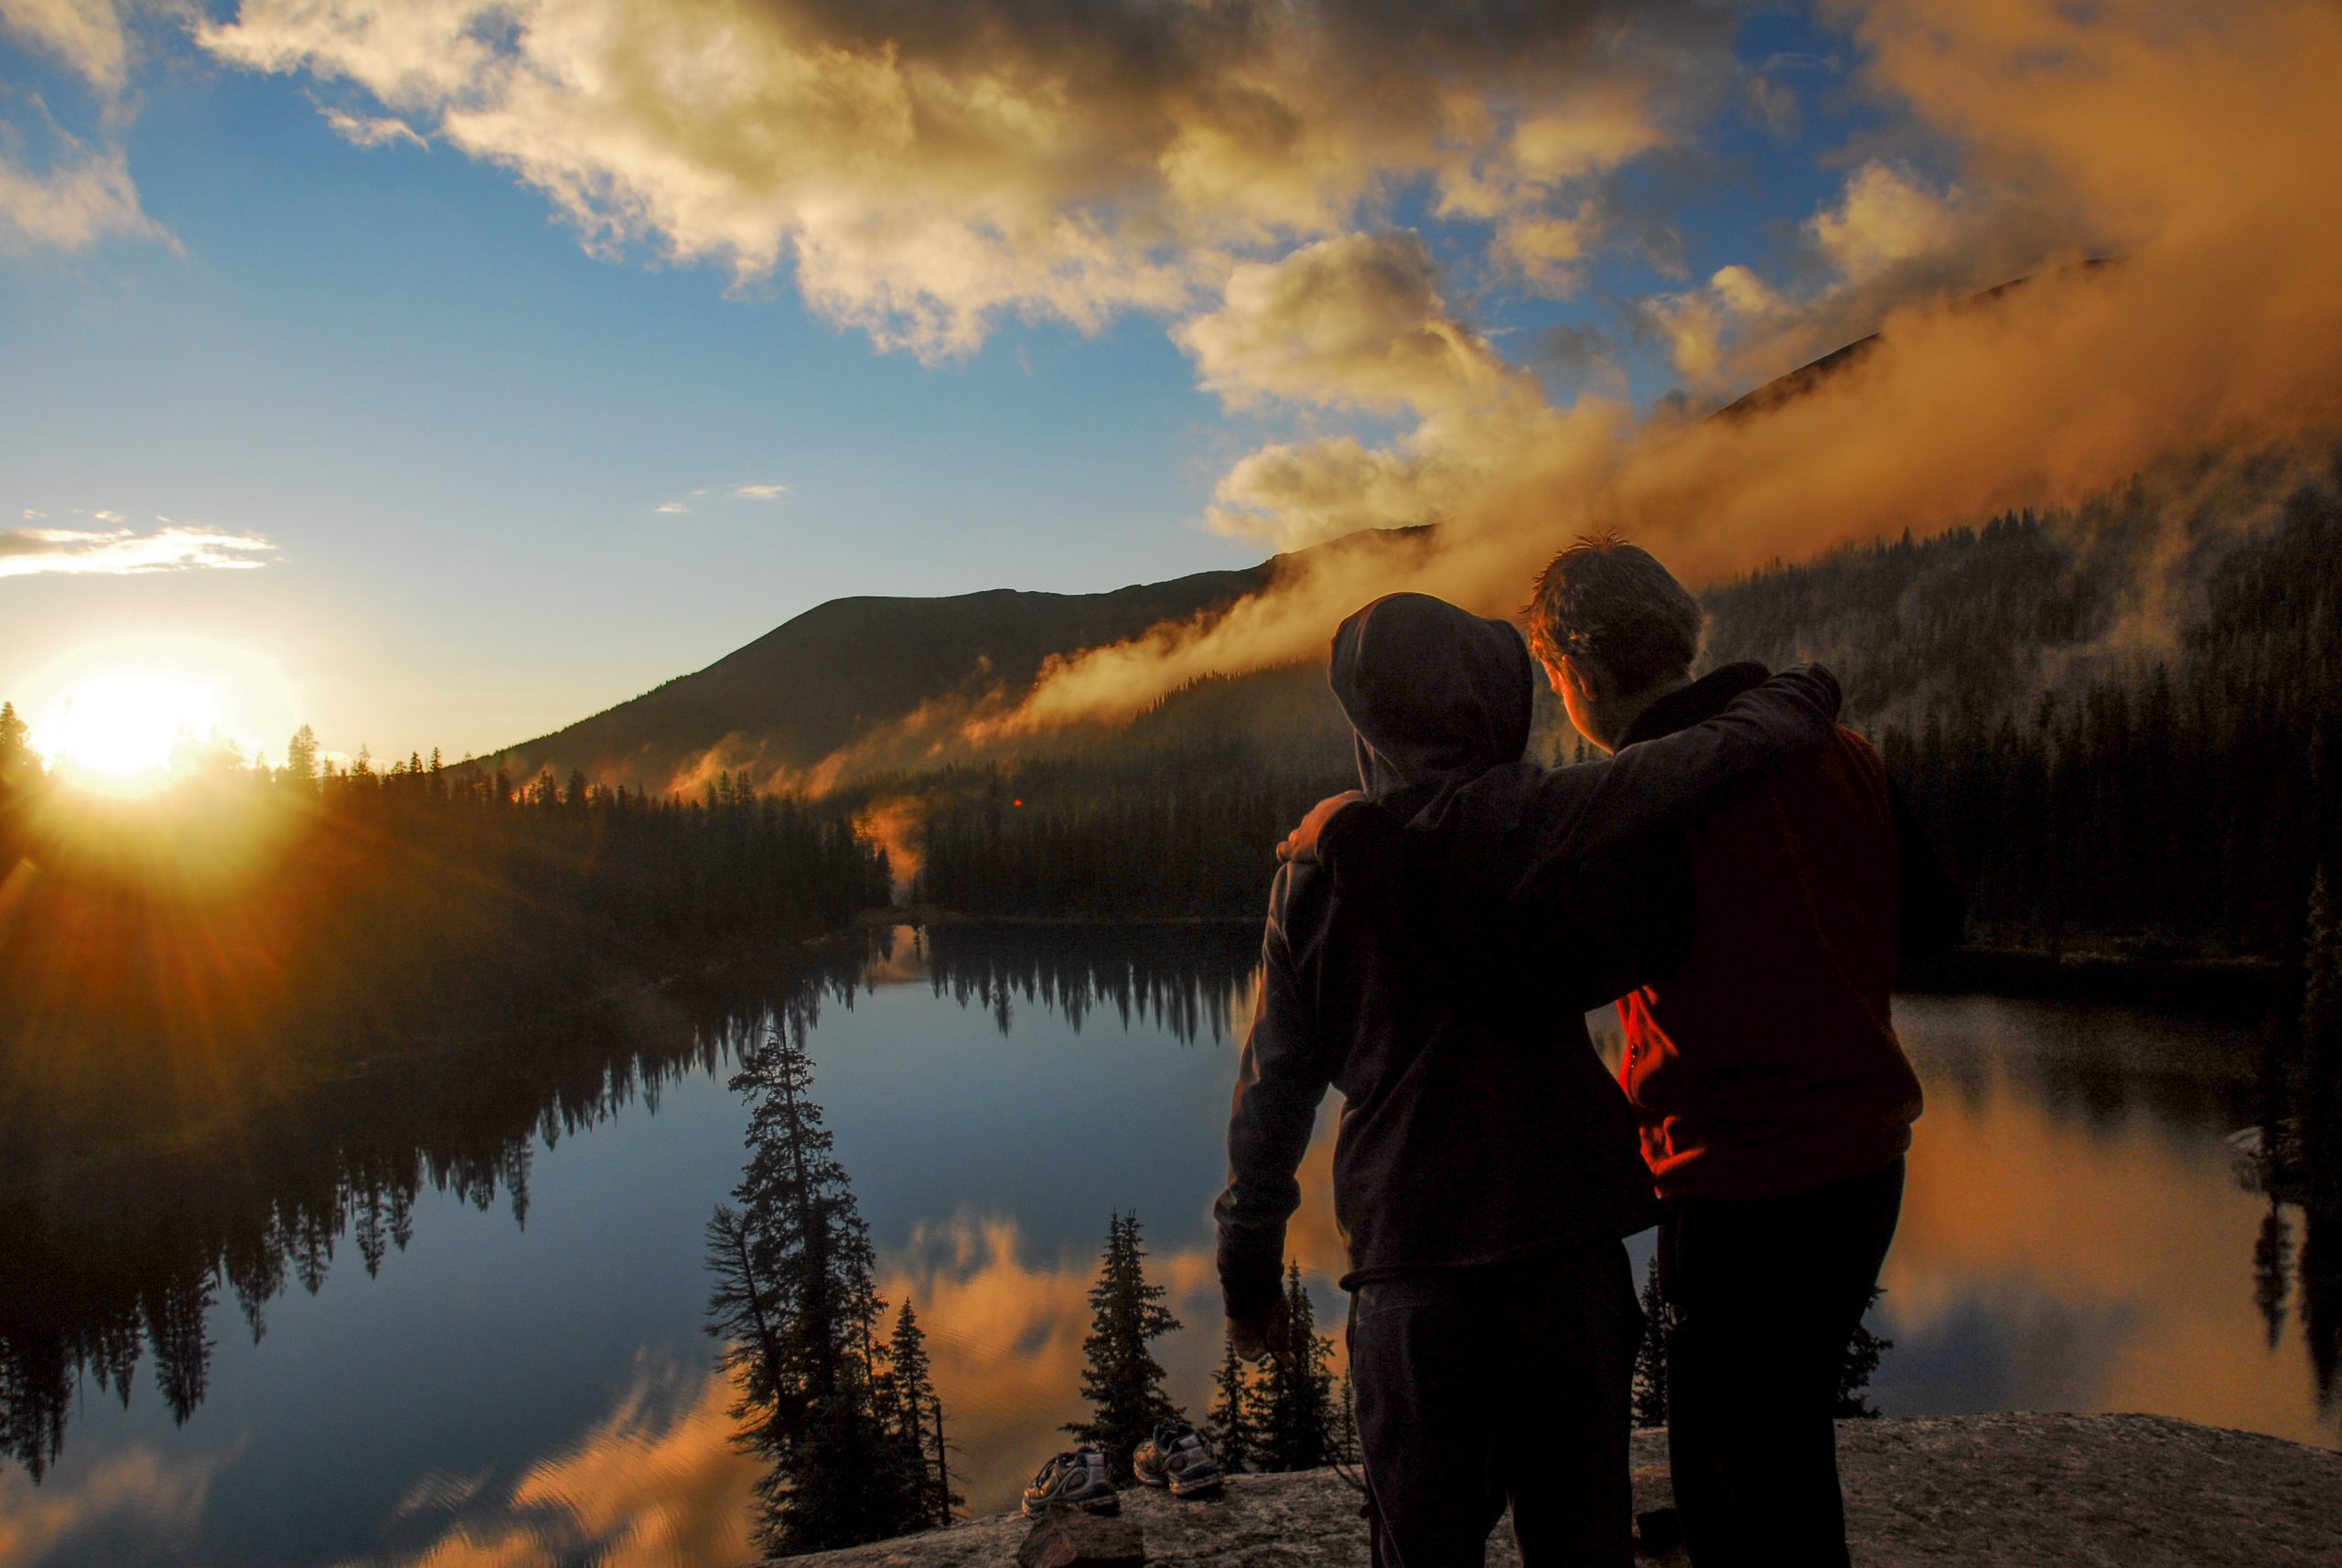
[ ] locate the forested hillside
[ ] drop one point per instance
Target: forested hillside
(2123, 722)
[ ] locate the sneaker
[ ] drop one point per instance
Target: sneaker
(1179, 1457)
(1073, 1479)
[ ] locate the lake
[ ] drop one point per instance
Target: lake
(451, 1313)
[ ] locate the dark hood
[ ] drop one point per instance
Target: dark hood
(1435, 694)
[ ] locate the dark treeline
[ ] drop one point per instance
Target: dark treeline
(2175, 790)
(1185, 977)
(2123, 722)
(107, 1268)
(1179, 833)
(265, 924)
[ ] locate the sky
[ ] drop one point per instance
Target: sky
(439, 372)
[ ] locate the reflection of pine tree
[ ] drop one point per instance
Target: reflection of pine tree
(795, 1303)
(1864, 1349)
(1121, 1379)
(1234, 1421)
(1297, 1406)
(2272, 1255)
(1650, 1356)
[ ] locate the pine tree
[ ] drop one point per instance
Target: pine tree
(1650, 1356)
(1121, 1379)
(908, 1398)
(14, 744)
(1864, 1349)
(301, 757)
(795, 1304)
(1298, 1392)
(1234, 1421)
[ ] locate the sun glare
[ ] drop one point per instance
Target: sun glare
(125, 730)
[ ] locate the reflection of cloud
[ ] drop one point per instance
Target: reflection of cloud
(656, 1482)
(124, 551)
(133, 1493)
(2128, 1234)
(1006, 1332)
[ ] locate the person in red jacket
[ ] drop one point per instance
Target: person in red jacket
(1773, 1100)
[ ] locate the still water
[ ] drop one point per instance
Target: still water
(455, 1317)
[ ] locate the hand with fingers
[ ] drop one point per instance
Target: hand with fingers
(1301, 845)
(1269, 1333)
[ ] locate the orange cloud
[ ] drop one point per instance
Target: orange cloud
(2198, 143)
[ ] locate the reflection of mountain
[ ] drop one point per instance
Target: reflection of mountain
(107, 1267)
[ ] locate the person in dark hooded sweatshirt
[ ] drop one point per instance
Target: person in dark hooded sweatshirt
(1486, 1167)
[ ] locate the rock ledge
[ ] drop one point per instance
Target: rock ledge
(2125, 1491)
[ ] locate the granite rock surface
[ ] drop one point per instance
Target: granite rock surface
(1992, 1491)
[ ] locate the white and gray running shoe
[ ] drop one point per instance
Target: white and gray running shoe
(1179, 1457)
(1073, 1479)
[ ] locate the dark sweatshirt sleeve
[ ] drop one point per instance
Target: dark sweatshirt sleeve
(1930, 910)
(1280, 1080)
(1624, 921)
(1517, 831)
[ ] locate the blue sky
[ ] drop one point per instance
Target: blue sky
(430, 393)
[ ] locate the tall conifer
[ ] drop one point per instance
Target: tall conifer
(1297, 1413)
(1121, 1379)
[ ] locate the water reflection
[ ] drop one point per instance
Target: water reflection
(2076, 1234)
(526, 1381)
(124, 1262)
(1188, 978)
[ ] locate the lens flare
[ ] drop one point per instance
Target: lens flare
(125, 731)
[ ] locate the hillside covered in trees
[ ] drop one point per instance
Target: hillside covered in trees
(2119, 720)
(175, 957)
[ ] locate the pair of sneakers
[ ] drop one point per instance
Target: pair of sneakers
(1177, 1457)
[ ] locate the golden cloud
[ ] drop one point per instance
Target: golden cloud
(2197, 143)
(925, 170)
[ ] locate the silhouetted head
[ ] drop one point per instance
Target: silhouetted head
(1615, 631)
(1435, 694)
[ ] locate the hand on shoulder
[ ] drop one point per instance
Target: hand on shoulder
(1301, 845)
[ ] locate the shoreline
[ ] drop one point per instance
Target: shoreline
(2190, 981)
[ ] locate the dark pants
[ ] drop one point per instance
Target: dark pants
(1761, 1299)
(1511, 1381)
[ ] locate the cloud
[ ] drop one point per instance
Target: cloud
(2199, 146)
(739, 492)
(1352, 322)
(122, 552)
(373, 130)
(85, 197)
(86, 35)
(925, 170)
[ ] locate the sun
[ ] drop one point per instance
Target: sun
(124, 731)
